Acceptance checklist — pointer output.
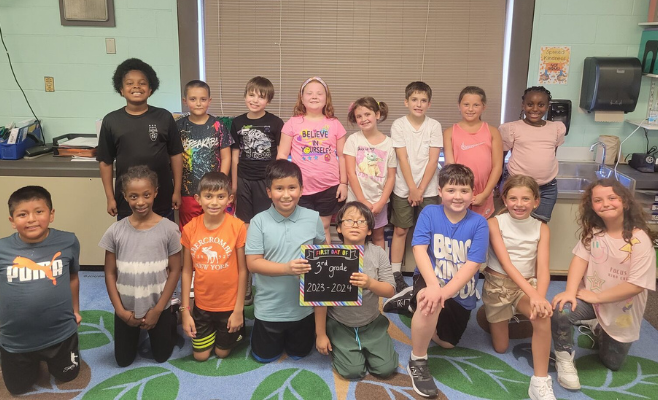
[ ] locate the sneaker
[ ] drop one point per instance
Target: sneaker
(423, 382)
(567, 374)
(401, 302)
(541, 388)
(400, 284)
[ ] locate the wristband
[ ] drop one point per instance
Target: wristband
(343, 183)
(181, 308)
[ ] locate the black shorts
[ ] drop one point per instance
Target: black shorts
(211, 329)
(453, 317)
(21, 370)
(250, 199)
(324, 202)
(270, 339)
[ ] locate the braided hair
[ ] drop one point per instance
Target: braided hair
(538, 89)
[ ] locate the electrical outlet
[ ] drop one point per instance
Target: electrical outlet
(110, 46)
(50, 83)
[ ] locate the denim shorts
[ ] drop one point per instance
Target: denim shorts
(548, 197)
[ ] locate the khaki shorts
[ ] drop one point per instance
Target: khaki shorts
(403, 215)
(501, 295)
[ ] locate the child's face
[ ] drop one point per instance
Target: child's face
(213, 202)
(314, 97)
(456, 198)
(418, 104)
(140, 195)
(353, 227)
(31, 219)
(535, 106)
(366, 118)
(471, 107)
(255, 102)
(520, 202)
(607, 204)
(198, 101)
(285, 194)
(136, 88)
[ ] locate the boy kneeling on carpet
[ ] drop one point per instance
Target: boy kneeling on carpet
(39, 291)
(357, 337)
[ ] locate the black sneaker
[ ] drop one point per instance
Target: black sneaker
(401, 302)
(400, 284)
(423, 382)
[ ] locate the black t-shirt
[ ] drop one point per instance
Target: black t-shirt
(258, 141)
(147, 139)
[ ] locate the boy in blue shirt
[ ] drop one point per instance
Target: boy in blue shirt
(449, 243)
(273, 251)
(39, 291)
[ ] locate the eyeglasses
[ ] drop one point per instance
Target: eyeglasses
(351, 222)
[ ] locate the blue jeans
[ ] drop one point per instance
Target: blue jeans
(547, 197)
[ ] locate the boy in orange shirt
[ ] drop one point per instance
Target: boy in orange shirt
(213, 248)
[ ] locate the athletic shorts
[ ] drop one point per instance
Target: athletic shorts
(453, 317)
(211, 330)
(381, 219)
(403, 215)
(501, 295)
(270, 339)
(189, 208)
(250, 199)
(324, 202)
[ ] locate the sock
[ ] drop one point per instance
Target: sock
(397, 267)
(416, 358)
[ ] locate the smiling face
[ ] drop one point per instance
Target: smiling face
(31, 219)
(285, 194)
(197, 100)
(353, 227)
(535, 106)
(213, 202)
(418, 104)
(256, 102)
(366, 118)
(607, 204)
(456, 198)
(314, 97)
(520, 202)
(136, 89)
(140, 195)
(471, 107)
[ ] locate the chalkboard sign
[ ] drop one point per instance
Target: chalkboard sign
(328, 282)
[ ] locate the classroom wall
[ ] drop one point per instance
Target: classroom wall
(604, 28)
(75, 56)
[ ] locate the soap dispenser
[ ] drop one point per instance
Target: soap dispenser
(560, 110)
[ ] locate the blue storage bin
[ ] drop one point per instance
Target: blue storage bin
(16, 151)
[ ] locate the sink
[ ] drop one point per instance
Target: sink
(573, 177)
(572, 184)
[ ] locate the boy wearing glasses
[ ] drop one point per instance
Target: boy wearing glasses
(357, 337)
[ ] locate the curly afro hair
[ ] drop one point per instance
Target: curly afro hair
(135, 64)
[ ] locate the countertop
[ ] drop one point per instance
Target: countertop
(50, 166)
(643, 180)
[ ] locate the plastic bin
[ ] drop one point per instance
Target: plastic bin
(16, 151)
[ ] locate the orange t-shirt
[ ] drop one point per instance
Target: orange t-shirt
(215, 261)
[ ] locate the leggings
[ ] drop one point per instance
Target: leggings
(162, 338)
(611, 352)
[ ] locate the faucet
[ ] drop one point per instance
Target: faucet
(599, 143)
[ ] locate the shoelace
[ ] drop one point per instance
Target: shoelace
(546, 388)
(567, 365)
(418, 371)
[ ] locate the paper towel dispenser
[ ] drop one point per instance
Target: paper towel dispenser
(610, 84)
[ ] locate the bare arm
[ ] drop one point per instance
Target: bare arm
(403, 162)
(285, 143)
(620, 292)
(461, 278)
(341, 193)
(111, 284)
(257, 264)
(543, 250)
(225, 163)
(350, 163)
(432, 297)
(430, 169)
(496, 161)
(322, 342)
(75, 296)
(577, 270)
(185, 287)
(235, 159)
(447, 147)
(106, 172)
(386, 193)
(177, 172)
(236, 320)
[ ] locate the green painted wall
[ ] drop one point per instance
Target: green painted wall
(605, 28)
(75, 56)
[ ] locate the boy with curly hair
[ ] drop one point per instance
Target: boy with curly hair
(140, 134)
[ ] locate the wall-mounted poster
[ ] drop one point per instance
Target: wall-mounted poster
(554, 65)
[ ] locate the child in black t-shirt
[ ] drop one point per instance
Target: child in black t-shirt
(140, 134)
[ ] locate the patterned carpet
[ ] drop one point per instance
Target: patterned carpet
(473, 370)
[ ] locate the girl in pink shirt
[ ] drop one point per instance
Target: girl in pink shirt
(534, 142)
(315, 138)
(475, 144)
(614, 265)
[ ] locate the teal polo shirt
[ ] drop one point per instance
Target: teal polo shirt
(279, 239)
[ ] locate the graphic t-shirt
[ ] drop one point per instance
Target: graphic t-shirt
(36, 307)
(451, 245)
(201, 150)
(215, 261)
(148, 139)
(314, 150)
(417, 143)
(142, 258)
(372, 164)
(258, 142)
(612, 262)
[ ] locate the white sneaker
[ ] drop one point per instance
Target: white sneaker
(541, 388)
(567, 374)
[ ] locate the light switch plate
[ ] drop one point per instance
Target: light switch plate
(50, 83)
(110, 46)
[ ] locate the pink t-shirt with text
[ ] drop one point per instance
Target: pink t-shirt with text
(612, 262)
(314, 151)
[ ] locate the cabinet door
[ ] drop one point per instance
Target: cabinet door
(80, 207)
(564, 235)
